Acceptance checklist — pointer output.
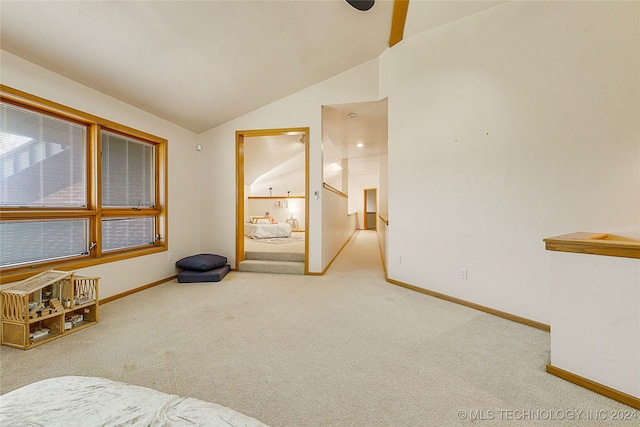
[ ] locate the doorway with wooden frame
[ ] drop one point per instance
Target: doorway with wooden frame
(242, 137)
(370, 208)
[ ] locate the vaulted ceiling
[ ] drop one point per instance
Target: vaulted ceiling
(195, 63)
(201, 63)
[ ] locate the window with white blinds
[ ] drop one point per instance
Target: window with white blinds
(24, 242)
(42, 159)
(127, 172)
(75, 190)
(120, 233)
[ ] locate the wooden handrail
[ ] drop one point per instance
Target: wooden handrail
(333, 190)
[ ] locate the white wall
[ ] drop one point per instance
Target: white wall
(121, 276)
(596, 318)
(383, 208)
(383, 187)
(332, 165)
(337, 225)
(217, 192)
(515, 124)
(383, 231)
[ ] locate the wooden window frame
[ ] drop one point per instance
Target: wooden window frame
(94, 210)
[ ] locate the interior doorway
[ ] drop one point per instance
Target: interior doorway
(272, 137)
(370, 208)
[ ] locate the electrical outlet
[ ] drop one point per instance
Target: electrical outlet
(170, 256)
(463, 273)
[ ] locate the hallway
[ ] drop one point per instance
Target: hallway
(360, 257)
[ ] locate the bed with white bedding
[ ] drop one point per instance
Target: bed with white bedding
(266, 231)
(88, 401)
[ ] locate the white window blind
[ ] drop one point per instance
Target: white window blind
(128, 173)
(121, 233)
(24, 242)
(42, 160)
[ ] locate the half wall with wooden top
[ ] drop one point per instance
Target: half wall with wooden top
(595, 299)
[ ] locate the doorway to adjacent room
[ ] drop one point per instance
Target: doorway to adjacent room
(271, 158)
(370, 208)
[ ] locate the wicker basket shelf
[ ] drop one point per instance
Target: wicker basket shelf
(47, 306)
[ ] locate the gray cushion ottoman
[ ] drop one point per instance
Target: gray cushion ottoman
(213, 275)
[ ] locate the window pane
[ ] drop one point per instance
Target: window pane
(24, 242)
(121, 233)
(128, 175)
(42, 160)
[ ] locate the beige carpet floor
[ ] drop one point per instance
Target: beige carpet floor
(343, 349)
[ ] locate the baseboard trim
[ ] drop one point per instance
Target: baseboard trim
(503, 314)
(133, 291)
(601, 389)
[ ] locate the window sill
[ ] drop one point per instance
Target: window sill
(20, 273)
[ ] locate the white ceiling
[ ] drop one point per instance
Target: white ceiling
(196, 63)
(277, 162)
(347, 125)
(425, 15)
(201, 63)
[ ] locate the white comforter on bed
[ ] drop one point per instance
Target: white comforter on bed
(266, 231)
(88, 402)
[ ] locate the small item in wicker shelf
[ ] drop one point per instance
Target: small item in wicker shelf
(56, 305)
(73, 319)
(39, 333)
(35, 307)
(83, 299)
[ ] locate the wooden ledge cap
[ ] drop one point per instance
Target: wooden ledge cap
(595, 244)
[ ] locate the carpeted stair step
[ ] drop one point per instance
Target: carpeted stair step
(277, 267)
(275, 256)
